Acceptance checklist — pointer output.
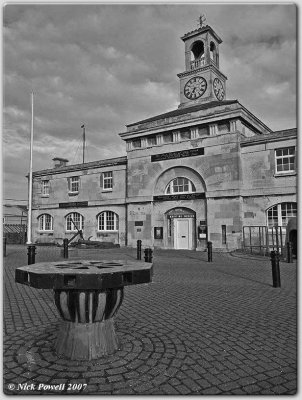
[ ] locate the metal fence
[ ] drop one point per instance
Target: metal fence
(262, 240)
(15, 233)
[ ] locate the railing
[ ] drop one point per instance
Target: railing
(262, 240)
(197, 63)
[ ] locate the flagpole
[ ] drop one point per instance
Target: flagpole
(30, 172)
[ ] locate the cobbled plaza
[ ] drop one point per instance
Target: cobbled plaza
(199, 328)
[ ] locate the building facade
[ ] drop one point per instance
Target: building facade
(199, 173)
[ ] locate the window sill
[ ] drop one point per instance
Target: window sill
(115, 231)
(278, 175)
(106, 190)
(73, 193)
(44, 195)
(39, 231)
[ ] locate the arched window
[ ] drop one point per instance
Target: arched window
(180, 185)
(197, 50)
(45, 222)
(74, 221)
(108, 221)
(213, 51)
(279, 214)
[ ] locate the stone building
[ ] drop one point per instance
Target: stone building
(199, 173)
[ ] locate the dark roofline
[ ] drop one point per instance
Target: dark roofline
(201, 30)
(269, 137)
(79, 167)
(185, 110)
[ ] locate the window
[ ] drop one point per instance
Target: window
(285, 160)
(184, 135)
(279, 214)
(180, 185)
(136, 143)
(74, 221)
(73, 184)
(168, 138)
(45, 222)
(107, 180)
(45, 188)
(107, 221)
(151, 140)
(223, 234)
(223, 127)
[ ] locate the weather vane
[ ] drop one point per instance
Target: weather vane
(201, 20)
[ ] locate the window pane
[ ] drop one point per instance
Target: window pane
(110, 221)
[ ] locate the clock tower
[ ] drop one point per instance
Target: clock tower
(202, 81)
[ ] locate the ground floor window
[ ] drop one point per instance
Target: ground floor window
(108, 221)
(74, 221)
(45, 222)
(279, 214)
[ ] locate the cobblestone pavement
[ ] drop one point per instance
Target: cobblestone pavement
(199, 328)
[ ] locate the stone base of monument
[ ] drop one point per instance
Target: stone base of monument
(78, 341)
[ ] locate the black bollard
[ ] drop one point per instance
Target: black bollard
(289, 252)
(65, 248)
(210, 257)
(139, 249)
(4, 246)
(275, 269)
(148, 255)
(31, 254)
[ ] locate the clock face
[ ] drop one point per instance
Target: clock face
(195, 87)
(218, 89)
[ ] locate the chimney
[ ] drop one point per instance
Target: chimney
(59, 162)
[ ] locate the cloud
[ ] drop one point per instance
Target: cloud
(109, 65)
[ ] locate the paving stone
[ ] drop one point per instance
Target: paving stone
(218, 334)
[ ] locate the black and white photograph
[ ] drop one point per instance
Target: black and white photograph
(149, 198)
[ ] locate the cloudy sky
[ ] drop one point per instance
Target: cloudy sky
(115, 64)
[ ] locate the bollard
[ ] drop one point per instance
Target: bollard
(4, 246)
(275, 269)
(210, 257)
(148, 255)
(65, 248)
(139, 249)
(31, 254)
(289, 252)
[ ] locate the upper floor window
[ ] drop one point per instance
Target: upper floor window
(74, 221)
(108, 221)
(107, 179)
(45, 222)
(73, 184)
(285, 160)
(168, 138)
(45, 188)
(180, 185)
(136, 143)
(279, 214)
(151, 141)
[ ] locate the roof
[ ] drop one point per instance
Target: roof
(201, 30)
(80, 167)
(273, 136)
(186, 110)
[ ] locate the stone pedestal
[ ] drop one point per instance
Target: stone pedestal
(77, 341)
(87, 330)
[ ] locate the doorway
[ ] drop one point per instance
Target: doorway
(183, 233)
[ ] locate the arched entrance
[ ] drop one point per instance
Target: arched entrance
(181, 228)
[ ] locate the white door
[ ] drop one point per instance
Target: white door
(182, 233)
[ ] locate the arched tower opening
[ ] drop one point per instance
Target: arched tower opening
(197, 54)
